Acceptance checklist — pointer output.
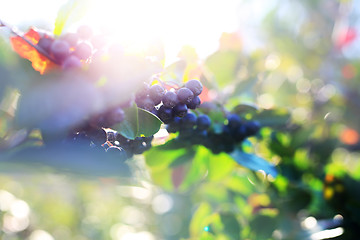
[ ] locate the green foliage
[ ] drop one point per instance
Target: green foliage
(71, 12)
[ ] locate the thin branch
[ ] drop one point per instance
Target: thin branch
(21, 35)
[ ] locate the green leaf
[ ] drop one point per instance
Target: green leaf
(70, 12)
(253, 162)
(199, 221)
(218, 165)
(156, 157)
(130, 126)
(198, 169)
(223, 65)
(243, 109)
(263, 226)
(149, 124)
(273, 117)
(188, 156)
(231, 225)
(158, 162)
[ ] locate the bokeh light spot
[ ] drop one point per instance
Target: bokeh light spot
(162, 203)
(349, 136)
(40, 235)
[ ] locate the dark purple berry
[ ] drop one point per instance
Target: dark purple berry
(146, 103)
(195, 86)
(71, 62)
(60, 50)
(140, 147)
(234, 121)
(97, 136)
(180, 110)
(240, 133)
(71, 38)
(115, 116)
(142, 92)
(170, 99)
(188, 121)
(83, 51)
(98, 121)
(85, 32)
(45, 43)
(252, 127)
(194, 103)
(156, 93)
(128, 103)
(154, 111)
(185, 95)
(203, 122)
(174, 125)
(165, 114)
(148, 140)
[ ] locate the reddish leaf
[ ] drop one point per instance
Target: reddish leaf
(39, 62)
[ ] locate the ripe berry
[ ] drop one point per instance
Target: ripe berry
(185, 95)
(142, 92)
(188, 121)
(85, 32)
(203, 122)
(45, 43)
(252, 127)
(194, 103)
(174, 126)
(156, 92)
(234, 121)
(115, 116)
(170, 99)
(180, 110)
(83, 51)
(154, 111)
(100, 121)
(71, 62)
(124, 142)
(146, 103)
(71, 38)
(97, 136)
(195, 86)
(60, 50)
(139, 148)
(117, 152)
(165, 114)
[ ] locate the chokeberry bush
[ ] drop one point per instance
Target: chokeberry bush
(105, 143)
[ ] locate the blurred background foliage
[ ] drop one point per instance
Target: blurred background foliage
(304, 74)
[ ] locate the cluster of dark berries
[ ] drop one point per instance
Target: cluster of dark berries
(71, 49)
(197, 130)
(168, 104)
(137, 146)
(110, 141)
